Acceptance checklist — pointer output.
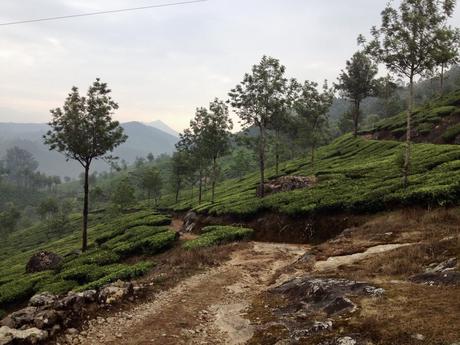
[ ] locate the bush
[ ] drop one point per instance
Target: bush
(20, 289)
(147, 245)
(215, 235)
(56, 287)
(122, 272)
(451, 133)
(83, 273)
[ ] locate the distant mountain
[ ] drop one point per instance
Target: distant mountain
(142, 140)
(163, 127)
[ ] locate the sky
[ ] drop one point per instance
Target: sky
(162, 63)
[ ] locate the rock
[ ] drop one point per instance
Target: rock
(286, 183)
(73, 302)
(43, 261)
(445, 266)
(89, 296)
(420, 337)
(115, 292)
(340, 305)
(190, 220)
(346, 341)
(72, 331)
(20, 318)
(44, 299)
(9, 336)
(437, 278)
(47, 319)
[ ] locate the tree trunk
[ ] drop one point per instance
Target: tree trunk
(84, 245)
(262, 161)
(313, 157)
(177, 192)
(214, 176)
(277, 152)
(356, 119)
(200, 187)
(442, 79)
(408, 134)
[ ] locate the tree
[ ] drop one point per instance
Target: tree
(83, 130)
(9, 218)
(357, 82)
(216, 136)
(406, 43)
(20, 166)
(181, 168)
(387, 89)
(150, 157)
(241, 163)
(123, 194)
(258, 99)
(150, 179)
(312, 107)
(48, 208)
(446, 51)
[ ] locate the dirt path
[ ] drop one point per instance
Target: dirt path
(208, 308)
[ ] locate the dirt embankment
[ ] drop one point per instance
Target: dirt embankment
(275, 227)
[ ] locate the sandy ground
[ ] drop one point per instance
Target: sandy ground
(207, 308)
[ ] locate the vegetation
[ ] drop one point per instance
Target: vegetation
(83, 130)
(133, 234)
(353, 174)
(216, 235)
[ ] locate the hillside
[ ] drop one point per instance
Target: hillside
(142, 140)
(438, 121)
(353, 175)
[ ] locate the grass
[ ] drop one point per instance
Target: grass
(216, 235)
(120, 237)
(354, 175)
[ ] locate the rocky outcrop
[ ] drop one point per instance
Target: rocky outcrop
(26, 336)
(43, 261)
(443, 273)
(190, 220)
(286, 184)
(47, 314)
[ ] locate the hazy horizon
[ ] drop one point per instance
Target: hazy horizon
(163, 63)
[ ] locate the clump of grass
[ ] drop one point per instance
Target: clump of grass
(216, 235)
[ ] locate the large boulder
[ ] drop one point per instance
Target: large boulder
(115, 292)
(43, 261)
(9, 336)
(20, 318)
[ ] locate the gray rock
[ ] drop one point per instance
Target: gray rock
(42, 299)
(437, 278)
(340, 305)
(115, 292)
(346, 341)
(9, 336)
(20, 318)
(189, 221)
(448, 265)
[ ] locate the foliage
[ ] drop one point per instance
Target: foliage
(83, 130)
(451, 133)
(123, 194)
(216, 235)
(357, 83)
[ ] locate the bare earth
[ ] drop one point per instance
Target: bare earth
(208, 308)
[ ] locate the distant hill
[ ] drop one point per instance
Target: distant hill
(142, 140)
(163, 127)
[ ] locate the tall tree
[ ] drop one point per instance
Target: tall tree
(312, 107)
(20, 166)
(216, 136)
(150, 180)
(258, 99)
(83, 130)
(406, 43)
(181, 168)
(357, 82)
(446, 51)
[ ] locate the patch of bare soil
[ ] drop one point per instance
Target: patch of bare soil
(207, 308)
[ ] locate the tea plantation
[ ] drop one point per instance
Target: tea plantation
(354, 174)
(112, 241)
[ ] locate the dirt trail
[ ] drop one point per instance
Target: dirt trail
(208, 308)
(335, 261)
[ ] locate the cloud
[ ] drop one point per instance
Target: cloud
(163, 63)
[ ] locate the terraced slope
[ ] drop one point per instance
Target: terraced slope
(436, 122)
(356, 175)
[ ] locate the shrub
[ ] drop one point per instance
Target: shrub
(96, 257)
(58, 287)
(215, 235)
(451, 133)
(20, 289)
(145, 245)
(122, 272)
(83, 273)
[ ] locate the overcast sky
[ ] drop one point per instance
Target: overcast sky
(162, 63)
